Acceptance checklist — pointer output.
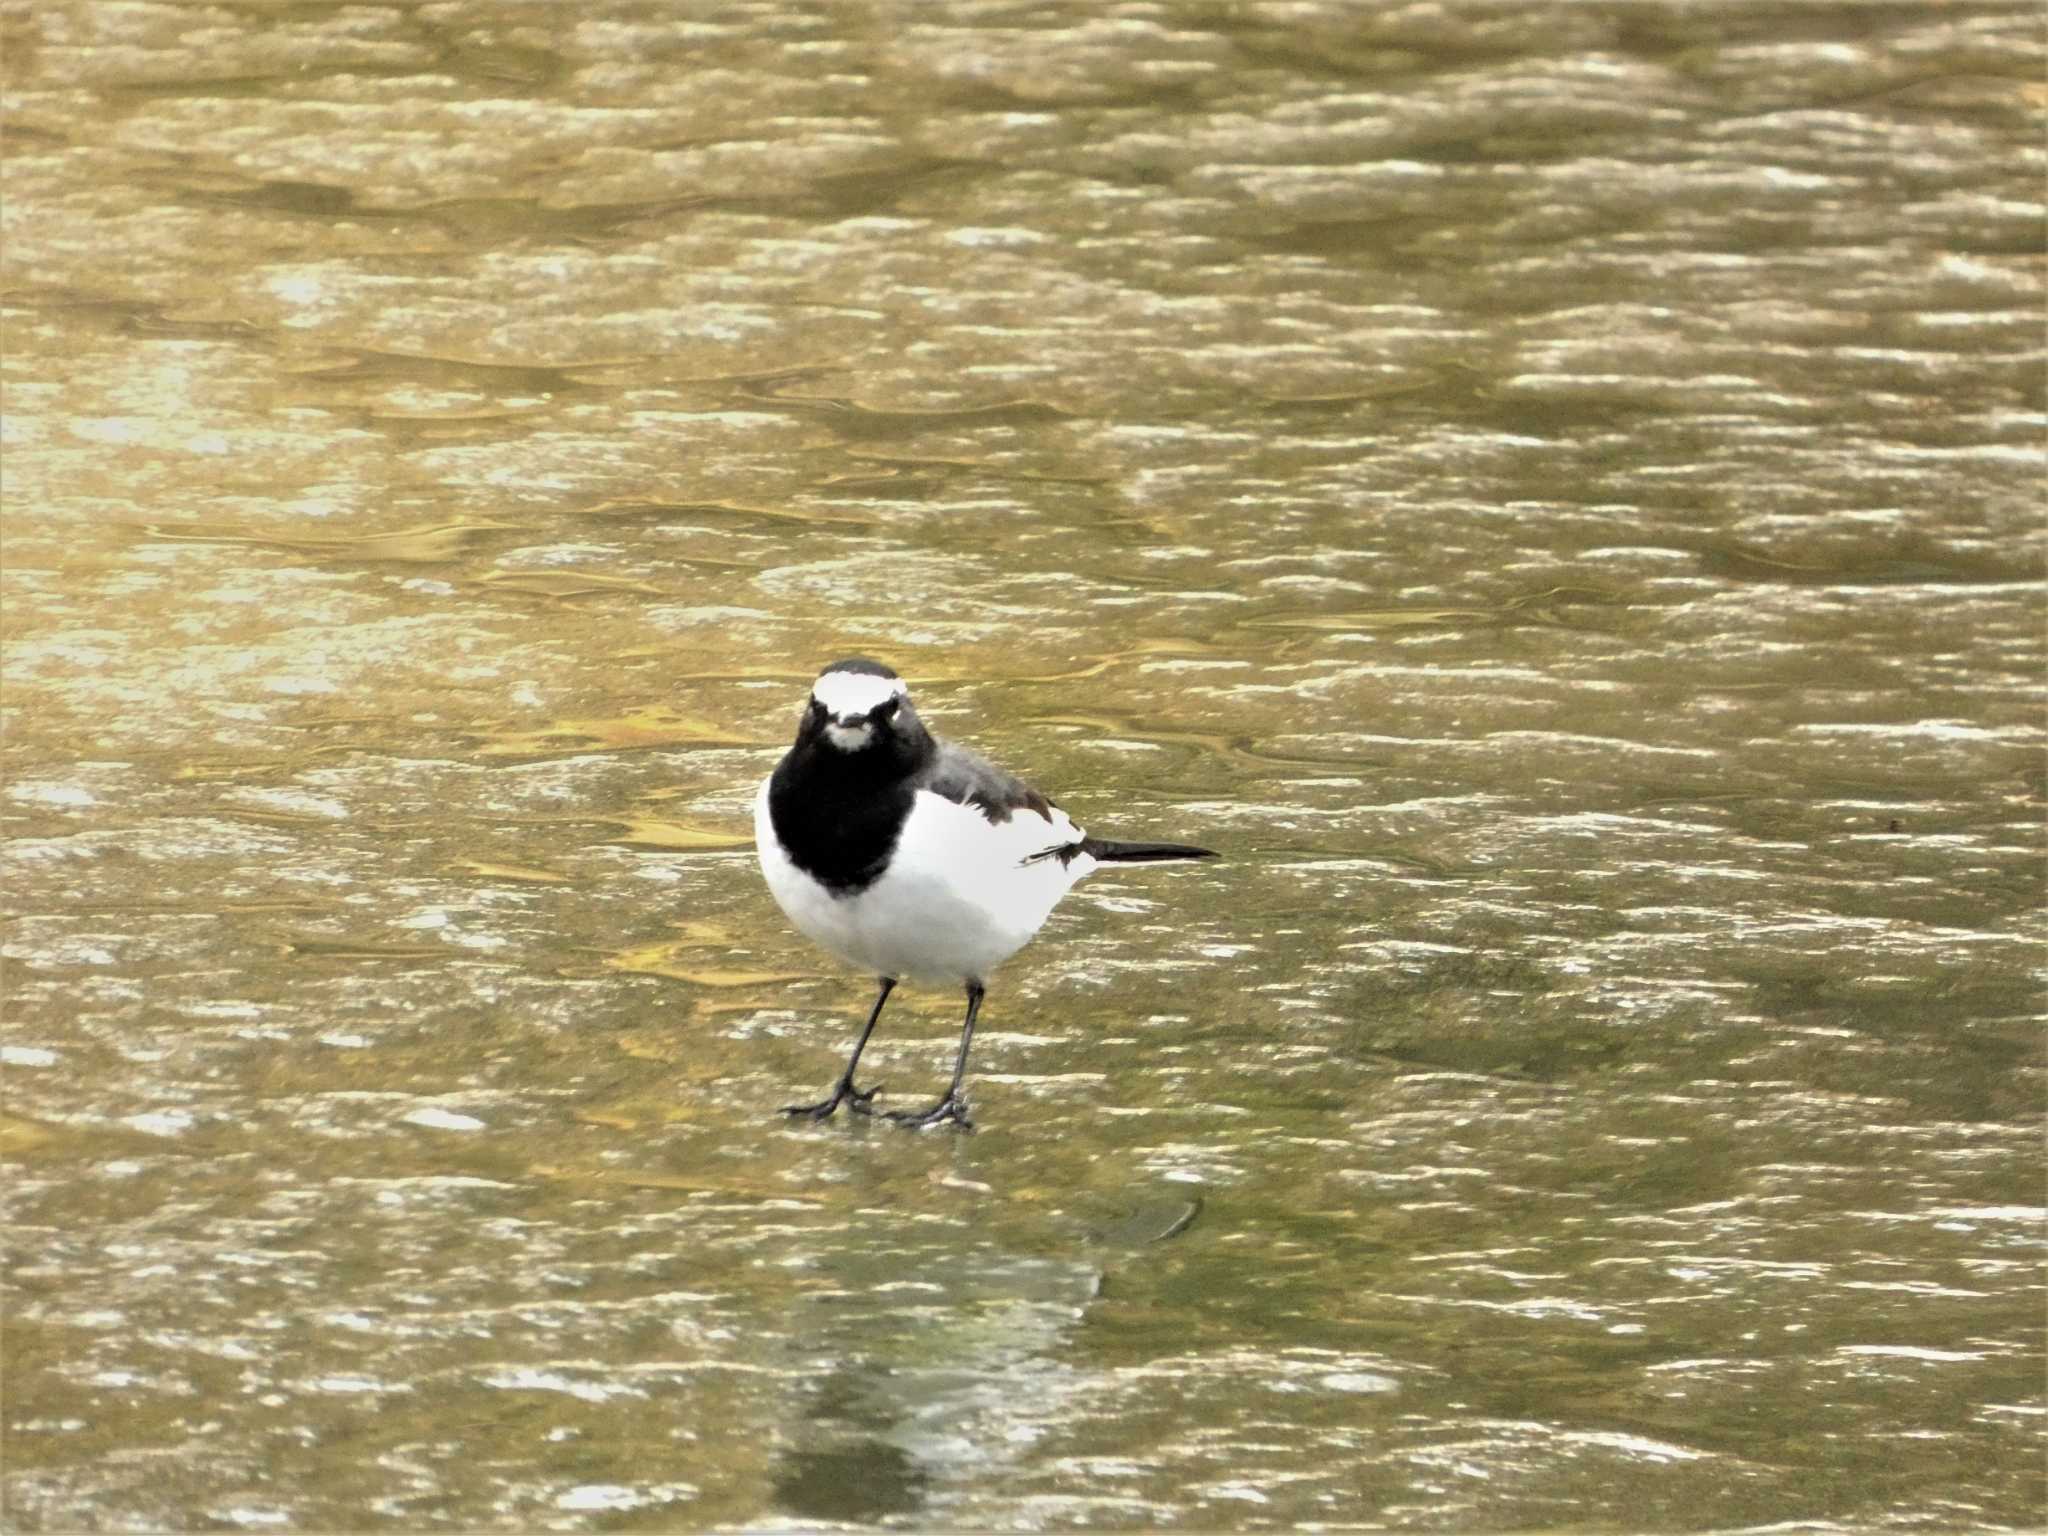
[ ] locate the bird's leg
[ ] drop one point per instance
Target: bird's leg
(954, 1105)
(844, 1089)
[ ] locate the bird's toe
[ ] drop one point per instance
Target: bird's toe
(951, 1108)
(856, 1099)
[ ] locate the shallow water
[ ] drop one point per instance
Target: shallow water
(1553, 493)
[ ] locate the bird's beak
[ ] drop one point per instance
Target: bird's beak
(849, 733)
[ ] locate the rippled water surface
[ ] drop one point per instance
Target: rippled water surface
(1551, 492)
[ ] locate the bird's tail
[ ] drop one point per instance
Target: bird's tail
(1103, 851)
(1107, 852)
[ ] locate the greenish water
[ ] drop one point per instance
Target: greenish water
(1552, 493)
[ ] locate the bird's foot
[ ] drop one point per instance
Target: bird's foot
(952, 1107)
(855, 1098)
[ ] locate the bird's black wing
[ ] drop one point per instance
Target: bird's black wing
(968, 778)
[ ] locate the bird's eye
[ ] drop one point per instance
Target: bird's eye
(888, 710)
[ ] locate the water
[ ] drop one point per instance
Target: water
(1552, 493)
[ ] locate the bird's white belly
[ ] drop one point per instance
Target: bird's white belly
(955, 902)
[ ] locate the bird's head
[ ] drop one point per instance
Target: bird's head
(858, 706)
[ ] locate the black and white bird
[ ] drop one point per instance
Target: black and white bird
(913, 858)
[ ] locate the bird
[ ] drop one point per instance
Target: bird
(913, 858)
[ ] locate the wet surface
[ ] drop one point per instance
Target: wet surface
(1552, 493)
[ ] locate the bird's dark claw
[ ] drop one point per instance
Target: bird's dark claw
(856, 1099)
(952, 1107)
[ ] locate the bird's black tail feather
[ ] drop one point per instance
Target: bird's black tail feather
(1107, 852)
(1103, 851)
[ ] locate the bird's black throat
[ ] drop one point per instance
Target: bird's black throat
(840, 813)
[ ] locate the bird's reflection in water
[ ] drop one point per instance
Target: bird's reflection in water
(858, 1481)
(919, 1398)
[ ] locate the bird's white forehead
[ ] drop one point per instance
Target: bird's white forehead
(855, 693)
